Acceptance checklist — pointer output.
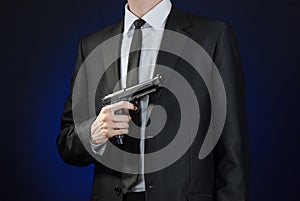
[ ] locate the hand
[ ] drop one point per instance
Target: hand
(107, 124)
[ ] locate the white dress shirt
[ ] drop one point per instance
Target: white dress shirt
(152, 34)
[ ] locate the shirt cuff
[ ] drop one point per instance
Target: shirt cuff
(98, 148)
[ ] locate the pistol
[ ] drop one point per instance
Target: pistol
(132, 94)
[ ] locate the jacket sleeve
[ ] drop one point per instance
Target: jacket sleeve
(69, 145)
(232, 154)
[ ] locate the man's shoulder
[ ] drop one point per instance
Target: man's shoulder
(92, 40)
(205, 31)
(210, 24)
(201, 26)
(108, 30)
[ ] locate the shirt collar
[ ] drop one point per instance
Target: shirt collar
(155, 17)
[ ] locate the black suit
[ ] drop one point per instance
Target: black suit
(224, 174)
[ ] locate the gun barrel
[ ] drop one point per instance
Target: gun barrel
(138, 90)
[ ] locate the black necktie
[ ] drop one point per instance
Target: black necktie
(135, 54)
(132, 144)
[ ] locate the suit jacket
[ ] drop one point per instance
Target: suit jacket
(224, 174)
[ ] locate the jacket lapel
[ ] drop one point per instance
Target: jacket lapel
(112, 74)
(177, 22)
(109, 82)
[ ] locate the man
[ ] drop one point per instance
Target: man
(221, 176)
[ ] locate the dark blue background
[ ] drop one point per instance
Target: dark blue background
(38, 50)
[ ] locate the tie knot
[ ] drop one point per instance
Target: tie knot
(139, 23)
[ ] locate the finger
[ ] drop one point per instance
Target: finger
(119, 117)
(100, 125)
(121, 105)
(107, 126)
(112, 133)
(120, 125)
(108, 133)
(111, 125)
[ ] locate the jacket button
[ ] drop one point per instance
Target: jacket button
(117, 190)
(151, 186)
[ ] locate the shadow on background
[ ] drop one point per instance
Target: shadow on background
(38, 46)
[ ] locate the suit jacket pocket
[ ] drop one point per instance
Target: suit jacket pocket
(199, 197)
